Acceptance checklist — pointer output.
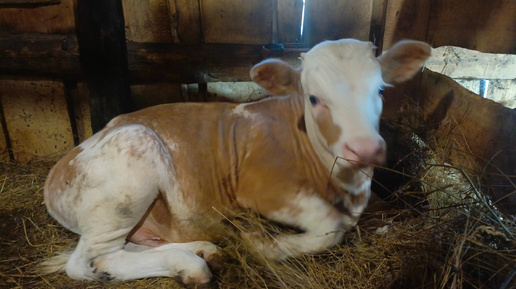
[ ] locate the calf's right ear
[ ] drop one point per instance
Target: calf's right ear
(276, 76)
(403, 60)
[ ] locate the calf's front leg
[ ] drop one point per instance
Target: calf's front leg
(323, 227)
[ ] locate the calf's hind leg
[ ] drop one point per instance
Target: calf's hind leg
(121, 174)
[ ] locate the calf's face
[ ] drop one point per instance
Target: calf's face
(340, 82)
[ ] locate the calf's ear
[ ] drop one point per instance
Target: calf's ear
(403, 60)
(276, 76)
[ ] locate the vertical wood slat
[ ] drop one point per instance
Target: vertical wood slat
(186, 20)
(147, 21)
(486, 26)
(406, 19)
(335, 19)
(289, 20)
(36, 118)
(6, 147)
(237, 21)
(376, 31)
(103, 56)
(58, 19)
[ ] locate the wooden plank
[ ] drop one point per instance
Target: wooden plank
(103, 55)
(6, 153)
(187, 20)
(45, 19)
(237, 21)
(502, 91)
(27, 3)
(335, 19)
(487, 26)
(407, 19)
(146, 95)
(30, 1)
(467, 131)
(376, 30)
(37, 118)
(195, 63)
(147, 21)
(44, 56)
(457, 62)
(289, 21)
(40, 55)
(82, 111)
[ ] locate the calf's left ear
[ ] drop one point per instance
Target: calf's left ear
(403, 60)
(276, 76)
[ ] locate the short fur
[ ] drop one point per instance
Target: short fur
(147, 192)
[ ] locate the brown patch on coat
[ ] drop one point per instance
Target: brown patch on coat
(329, 130)
(358, 199)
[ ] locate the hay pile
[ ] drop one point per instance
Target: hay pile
(437, 232)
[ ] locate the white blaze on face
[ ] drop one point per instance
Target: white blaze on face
(341, 82)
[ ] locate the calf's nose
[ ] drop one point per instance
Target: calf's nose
(364, 151)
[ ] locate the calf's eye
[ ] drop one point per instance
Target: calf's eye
(380, 90)
(313, 100)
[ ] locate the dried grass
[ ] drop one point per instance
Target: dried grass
(450, 237)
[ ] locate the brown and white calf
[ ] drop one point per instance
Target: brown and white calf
(147, 193)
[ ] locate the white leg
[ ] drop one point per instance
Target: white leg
(119, 176)
(167, 261)
(324, 227)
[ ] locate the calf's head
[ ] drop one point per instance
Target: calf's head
(341, 82)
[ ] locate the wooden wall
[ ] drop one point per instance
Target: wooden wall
(486, 26)
(153, 27)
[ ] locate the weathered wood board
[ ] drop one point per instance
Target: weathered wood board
(502, 91)
(335, 19)
(82, 114)
(4, 153)
(237, 21)
(185, 21)
(486, 26)
(59, 19)
(145, 95)
(467, 131)
(406, 19)
(56, 56)
(147, 21)
(40, 56)
(37, 118)
(289, 21)
(457, 62)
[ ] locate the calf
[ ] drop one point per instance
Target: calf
(148, 193)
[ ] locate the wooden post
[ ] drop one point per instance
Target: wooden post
(103, 57)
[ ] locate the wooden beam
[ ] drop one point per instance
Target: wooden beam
(103, 57)
(57, 56)
(195, 63)
(457, 62)
(27, 3)
(40, 56)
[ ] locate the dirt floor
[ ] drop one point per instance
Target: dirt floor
(445, 235)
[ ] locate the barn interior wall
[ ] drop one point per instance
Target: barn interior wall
(230, 21)
(37, 118)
